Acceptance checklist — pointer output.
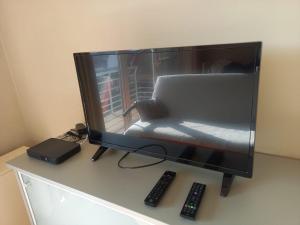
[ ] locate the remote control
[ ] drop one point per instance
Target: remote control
(159, 189)
(192, 201)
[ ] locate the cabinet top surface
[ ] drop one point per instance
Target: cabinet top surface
(272, 196)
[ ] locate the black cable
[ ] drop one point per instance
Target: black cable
(146, 165)
(67, 136)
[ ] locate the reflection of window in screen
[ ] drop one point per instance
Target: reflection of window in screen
(136, 76)
(109, 86)
(140, 81)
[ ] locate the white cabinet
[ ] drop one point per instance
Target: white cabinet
(53, 205)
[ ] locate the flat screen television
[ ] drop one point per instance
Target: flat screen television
(194, 105)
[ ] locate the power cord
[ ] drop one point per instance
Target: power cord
(72, 138)
(146, 165)
(77, 134)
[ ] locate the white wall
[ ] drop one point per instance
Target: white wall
(40, 37)
(12, 128)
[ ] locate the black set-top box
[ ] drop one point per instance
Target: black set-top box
(54, 150)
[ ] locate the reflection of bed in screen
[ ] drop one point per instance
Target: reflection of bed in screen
(204, 114)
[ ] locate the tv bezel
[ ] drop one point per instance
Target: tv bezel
(108, 140)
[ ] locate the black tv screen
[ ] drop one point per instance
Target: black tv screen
(197, 102)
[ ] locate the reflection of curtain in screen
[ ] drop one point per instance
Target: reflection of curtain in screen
(91, 98)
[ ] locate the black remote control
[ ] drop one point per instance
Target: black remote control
(159, 189)
(192, 201)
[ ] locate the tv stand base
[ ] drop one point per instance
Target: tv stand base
(98, 153)
(226, 184)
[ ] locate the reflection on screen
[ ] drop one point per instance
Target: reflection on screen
(197, 98)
